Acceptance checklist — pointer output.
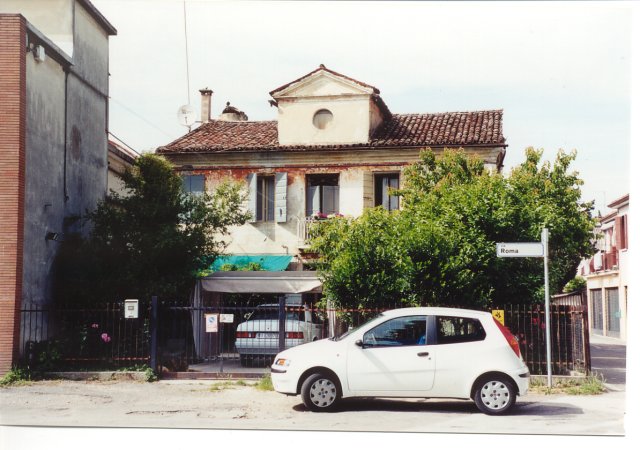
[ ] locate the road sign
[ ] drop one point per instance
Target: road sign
(498, 314)
(520, 249)
(211, 323)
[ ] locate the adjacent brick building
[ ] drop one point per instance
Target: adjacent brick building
(53, 144)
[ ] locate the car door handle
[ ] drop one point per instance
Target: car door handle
(423, 354)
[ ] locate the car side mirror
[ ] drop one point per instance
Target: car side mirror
(359, 343)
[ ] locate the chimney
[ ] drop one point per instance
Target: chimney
(205, 105)
(233, 114)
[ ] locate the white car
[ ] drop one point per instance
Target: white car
(412, 353)
(258, 337)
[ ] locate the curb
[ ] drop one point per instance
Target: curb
(98, 376)
(210, 375)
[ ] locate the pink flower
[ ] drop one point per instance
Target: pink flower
(105, 337)
(94, 325)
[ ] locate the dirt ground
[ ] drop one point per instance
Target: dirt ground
(228, 405)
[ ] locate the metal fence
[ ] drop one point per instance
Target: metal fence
(177, 338)
(569, 334)
(67, 338)
(246, 335)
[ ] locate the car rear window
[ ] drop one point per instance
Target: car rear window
(453, 330)
(272, 313)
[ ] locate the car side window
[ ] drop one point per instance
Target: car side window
(453, 330)
(401, 331)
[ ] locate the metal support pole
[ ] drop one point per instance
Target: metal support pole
(282, 317)
(547, 309)
(154, 334)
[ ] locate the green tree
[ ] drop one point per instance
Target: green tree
(154, 240)
(440, 249)
(363, 260)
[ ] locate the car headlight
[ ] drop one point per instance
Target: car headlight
(282, 362)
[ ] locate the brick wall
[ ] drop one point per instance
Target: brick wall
(12, 181)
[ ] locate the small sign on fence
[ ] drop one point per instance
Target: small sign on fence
(211, 323)
(498, 314)
(226, 318)
(131, 309)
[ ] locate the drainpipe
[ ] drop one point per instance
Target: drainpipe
(66, 132)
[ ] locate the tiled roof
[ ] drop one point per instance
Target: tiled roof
(399, 130)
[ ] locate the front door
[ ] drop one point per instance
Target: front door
(394, 357)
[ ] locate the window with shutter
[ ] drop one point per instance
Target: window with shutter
(384, 185)
(323, 194)
(265, 198)
(281, 197)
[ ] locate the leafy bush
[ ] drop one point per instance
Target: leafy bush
(15, 376)
(577, 284)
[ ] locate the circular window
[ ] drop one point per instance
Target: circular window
(322, 119)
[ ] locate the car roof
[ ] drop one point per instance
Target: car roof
(432, 310)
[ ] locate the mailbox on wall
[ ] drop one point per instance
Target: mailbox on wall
(131, 309)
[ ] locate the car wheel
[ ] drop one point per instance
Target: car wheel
(320, 392)
(495, 395)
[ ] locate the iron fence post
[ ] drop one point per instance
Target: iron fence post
(281, 322)
(154, 334)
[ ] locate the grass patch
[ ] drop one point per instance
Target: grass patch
(228, 385)
(590, 385)
(16, 377)
(149, 374)
(265, 383)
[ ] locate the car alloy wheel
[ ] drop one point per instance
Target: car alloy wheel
(495, 395)
(320, 393)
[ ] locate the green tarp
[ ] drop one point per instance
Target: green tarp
(269, 263)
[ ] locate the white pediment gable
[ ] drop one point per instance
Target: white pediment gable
(323, 84)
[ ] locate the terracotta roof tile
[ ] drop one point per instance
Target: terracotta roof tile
(399, 130)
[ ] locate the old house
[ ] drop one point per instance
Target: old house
(607, 273)
(335, 147)
(54, 90)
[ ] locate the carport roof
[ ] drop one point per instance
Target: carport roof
(285, 282)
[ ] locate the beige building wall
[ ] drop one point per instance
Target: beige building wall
(54, 18)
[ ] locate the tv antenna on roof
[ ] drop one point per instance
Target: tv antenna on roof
(186, 113)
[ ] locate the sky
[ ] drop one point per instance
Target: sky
(560, 71)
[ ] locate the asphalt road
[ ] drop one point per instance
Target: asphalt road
(609, 359)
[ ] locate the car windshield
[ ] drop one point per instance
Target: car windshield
(352, 330)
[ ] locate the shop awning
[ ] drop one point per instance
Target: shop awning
(269, 263)
(291, 282)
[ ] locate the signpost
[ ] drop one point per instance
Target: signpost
(534, 250)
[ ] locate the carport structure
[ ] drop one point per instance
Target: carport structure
(201, 336)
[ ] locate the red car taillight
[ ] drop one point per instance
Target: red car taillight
(245, 334)
(511, 339)
(294, 335)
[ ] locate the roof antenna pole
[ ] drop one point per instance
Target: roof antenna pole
(186, 48)
(186, 113)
